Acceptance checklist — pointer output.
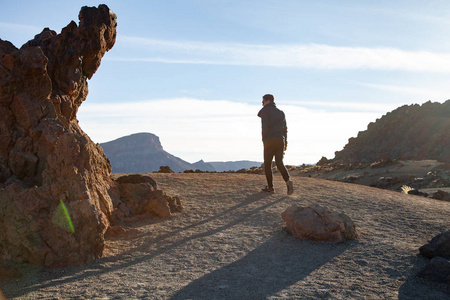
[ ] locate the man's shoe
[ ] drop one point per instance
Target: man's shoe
(268, 189)
(290, 187)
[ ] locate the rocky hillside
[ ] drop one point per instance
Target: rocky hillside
(410, 132)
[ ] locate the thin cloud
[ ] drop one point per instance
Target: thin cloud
(20, 28)
(343, 106)
(18, 34)
(425, 93)
(315, 56)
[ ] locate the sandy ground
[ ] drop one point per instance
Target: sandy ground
(229, 243)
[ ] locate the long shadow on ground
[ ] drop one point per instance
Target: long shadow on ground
(239, 212)
(274, 266)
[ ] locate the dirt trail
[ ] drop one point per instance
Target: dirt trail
(229, 243)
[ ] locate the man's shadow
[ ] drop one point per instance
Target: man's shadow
(277, 264)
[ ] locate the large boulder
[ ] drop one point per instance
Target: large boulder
(139, 196)
(438, 246)
(437, 270)
(57, 198)
(319, 223)
(438, 249)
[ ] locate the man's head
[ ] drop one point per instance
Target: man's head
(267, 98)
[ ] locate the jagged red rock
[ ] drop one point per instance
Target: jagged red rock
(48, 165)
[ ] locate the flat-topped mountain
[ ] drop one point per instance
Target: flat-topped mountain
(143, 153)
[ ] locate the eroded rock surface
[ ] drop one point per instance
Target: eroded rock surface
(319, 223)
(57, 197)
(139, 196)
(410, 132)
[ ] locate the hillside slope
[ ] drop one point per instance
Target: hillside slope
(414, 132)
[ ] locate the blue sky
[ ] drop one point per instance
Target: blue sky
(193, 72)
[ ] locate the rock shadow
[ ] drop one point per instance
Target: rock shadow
(274, 266)
(52, 278)
(418, 288)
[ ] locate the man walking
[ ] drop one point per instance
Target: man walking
(274, 136)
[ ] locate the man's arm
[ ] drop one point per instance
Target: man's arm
(265, 122)
(285, 133)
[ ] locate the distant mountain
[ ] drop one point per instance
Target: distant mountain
(143, 153)
(201, 165)
(410, 132)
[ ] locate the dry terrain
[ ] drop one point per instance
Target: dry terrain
(229, 243)
(406, 171)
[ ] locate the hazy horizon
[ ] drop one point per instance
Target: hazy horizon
(193, 72)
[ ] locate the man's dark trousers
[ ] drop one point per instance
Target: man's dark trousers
(274, 147)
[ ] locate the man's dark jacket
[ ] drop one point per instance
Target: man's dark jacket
(273, 122)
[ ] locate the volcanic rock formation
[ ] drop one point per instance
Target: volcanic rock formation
(414, 132)
(57, 197)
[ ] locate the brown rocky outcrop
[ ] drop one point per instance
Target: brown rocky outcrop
(57, 198)
(438, 250)
(410, 132)
(139, 196)
(441, 195)
(319, 223)
(438, 246)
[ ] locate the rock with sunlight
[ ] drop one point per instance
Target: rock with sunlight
(319, 223)
(57, 197)
(410, 132)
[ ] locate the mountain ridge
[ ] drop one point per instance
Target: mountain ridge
(143, 153)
